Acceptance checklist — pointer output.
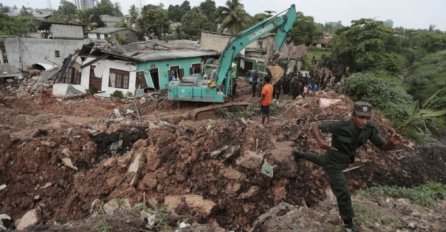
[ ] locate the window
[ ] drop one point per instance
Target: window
(57, 53)
(196, 68)
(73, 77)
(119, 79)
(98, 36)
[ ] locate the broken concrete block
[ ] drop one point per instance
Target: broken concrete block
(268, 169)
(250, 159)
(67, 162)
(30, 218)
(195, 202)
(326, 102)
(136, 167)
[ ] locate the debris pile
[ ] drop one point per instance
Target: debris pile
(66, 160)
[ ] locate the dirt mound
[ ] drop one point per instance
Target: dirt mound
(62, 156)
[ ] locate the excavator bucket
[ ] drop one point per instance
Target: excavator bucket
(276, 72)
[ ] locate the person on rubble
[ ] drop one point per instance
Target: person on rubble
(255, 76)
(266, 98)
(347, 136)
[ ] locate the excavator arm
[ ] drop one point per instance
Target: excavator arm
(282, 23)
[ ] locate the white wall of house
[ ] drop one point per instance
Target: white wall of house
(94, 36)
(102, 69)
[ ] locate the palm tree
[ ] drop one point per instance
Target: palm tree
(233, 17)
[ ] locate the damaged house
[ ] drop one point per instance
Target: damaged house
(132, 69)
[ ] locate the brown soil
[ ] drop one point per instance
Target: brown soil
(180, 158)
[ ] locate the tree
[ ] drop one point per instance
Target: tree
(105, 7)
(174, 13)
(366, 45)
(66, 13)
(194, 22)
(86, 19)
(153, 20)
(209, 9)
(16, 25)
(233, 17)
(305, 30)
(133, 15)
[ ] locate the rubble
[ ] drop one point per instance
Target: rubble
(226, 171)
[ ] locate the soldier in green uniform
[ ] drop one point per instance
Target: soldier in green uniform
(347, 136)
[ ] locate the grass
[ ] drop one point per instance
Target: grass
(423, 195)
(104, 226)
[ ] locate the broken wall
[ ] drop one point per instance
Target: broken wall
(24, 52)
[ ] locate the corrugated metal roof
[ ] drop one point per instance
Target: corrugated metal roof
(107, 30)
(170, 54)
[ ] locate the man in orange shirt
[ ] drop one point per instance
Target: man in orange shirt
(267, 98)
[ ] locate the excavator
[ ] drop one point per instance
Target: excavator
(218, 87)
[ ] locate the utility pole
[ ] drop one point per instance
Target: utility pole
(49, 5)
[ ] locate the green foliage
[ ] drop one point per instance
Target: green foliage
(193, 22)
(381, 90)
(423, 195)
(427, 76)
(19, 25)
(133, 15)
(209, 9)
(365, 46)
(153, 20)
(117, 94)
(105, 225)
(233, 17)
(423, 118)
(305, 30)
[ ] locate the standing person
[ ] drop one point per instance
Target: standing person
(255, 76)
(347, 136)
(267, 98)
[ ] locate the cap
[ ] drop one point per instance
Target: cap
(363, 109)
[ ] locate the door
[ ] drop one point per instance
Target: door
(95, 82)
(155, 78)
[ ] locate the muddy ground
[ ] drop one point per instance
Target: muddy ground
(67, 158)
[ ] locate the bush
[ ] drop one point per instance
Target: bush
(382, 91)
(117, 94)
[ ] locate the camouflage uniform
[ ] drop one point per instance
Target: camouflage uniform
(346, 139)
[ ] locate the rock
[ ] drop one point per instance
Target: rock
(250, 159)
(151, 219)
(67, 152)
(110, 162)
(232, 174)
(136, 167)
(4, 217)
(30, 218)
(253, 190)
(149, 181)
(114, 204)
(67, 162)
(3, 186)
(194, 202)
(272, 213)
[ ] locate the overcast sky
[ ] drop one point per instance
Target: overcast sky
(406, 13)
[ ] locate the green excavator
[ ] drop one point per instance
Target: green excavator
(217, 88)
